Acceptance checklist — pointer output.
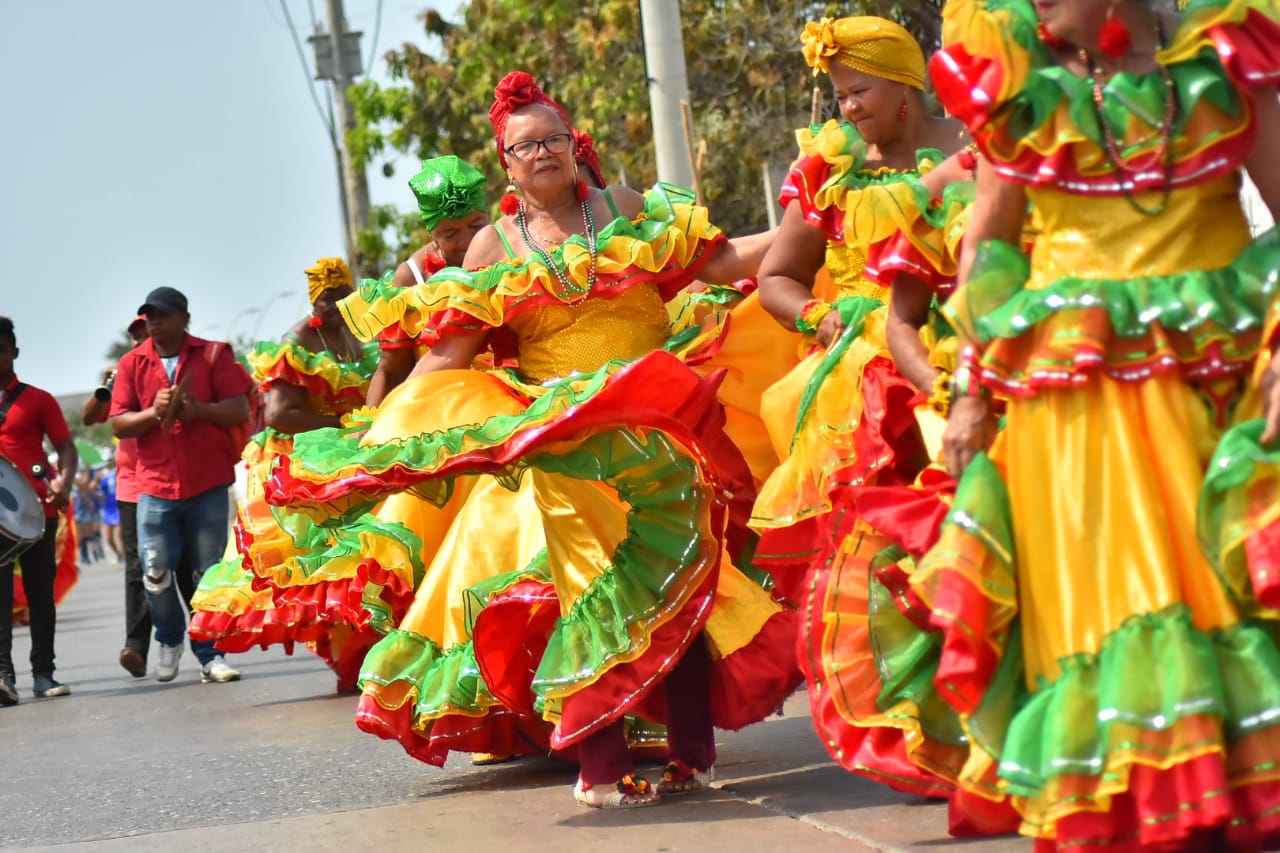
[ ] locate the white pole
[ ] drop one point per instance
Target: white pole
(668, 86)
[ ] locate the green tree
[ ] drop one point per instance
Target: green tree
(748, 85)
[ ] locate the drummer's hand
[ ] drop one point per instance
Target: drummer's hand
(829, 329)
(164, 400)
(970, 429)
(59, 498)
(189, 408)
(1271, 400)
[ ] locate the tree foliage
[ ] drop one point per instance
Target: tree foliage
(749, 89)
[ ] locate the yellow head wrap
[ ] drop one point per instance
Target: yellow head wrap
(875, 46)
(324, 274)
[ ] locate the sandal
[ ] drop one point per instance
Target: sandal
(484, 759)
(631, 792)
(679, 778)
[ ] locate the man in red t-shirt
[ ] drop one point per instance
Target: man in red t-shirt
(29, 416)
(180, 398)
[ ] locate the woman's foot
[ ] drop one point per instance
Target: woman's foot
(680, 778)
(629, 792)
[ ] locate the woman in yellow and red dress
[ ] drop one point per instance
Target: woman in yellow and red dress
(1118, 675)
(843, 420)
(313, 377)
(621, 451)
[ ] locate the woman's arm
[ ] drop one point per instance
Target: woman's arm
(455, 352)
(286, 411)
(909, 302)
(394, 366)
(737, 258)
(787, 272)
(998, 214)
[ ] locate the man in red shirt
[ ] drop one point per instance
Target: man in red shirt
(179, 397)
(31, 415)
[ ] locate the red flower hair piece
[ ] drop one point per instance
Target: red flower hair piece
(584, 151)
(518, 89)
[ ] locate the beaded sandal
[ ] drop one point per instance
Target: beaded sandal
(679, 778)
(631, 792)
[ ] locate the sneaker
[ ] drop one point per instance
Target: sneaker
(218, 670)
(46, 688)
(167, 663)
(134, 662)
(8, 692)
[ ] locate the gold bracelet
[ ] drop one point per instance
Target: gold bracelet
(940, 399)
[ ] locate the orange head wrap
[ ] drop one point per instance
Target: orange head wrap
(325, 274)
(875, 46)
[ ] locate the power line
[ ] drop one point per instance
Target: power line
(373, 46)
(306, 70)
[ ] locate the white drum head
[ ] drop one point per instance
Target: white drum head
(21, 513)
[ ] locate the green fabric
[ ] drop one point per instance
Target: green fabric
(1207, 305)
(1156, 669)
(1127, 96)
(853, 311)
(662, 486)
(1235, 460)
(447, 188)
(350, 374)
(446, 680)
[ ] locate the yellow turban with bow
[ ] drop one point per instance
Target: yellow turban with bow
(325, 274)
(875, 46)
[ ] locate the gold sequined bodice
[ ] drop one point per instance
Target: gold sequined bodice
(846, 265)
(558, 340)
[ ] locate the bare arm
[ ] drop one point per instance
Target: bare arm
(68, 462)
(787, 272)
(228, 412)
(453, 353)
(134, 424)
(394, 366)
(287, 411)
(737, 258)
(909, 302)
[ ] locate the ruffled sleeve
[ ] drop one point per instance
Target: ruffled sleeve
(665, 246)
(337, 385)
(830, 156)
(1035, 122)
(927, 245)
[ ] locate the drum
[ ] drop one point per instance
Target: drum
(21, 513)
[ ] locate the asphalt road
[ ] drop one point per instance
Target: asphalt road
(274, 762)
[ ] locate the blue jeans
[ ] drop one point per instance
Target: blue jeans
(168, 529)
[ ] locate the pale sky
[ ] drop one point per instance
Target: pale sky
(150, 142)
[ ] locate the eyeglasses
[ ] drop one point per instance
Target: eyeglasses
(556, 143)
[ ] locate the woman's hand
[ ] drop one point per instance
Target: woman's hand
(829, 329)
(971, 427)
(1270, 390)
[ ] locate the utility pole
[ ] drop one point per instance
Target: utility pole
(337, 56)
(668, 88)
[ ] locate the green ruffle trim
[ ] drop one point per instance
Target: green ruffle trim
(1234, 463)
(853, 312)
(1207, 305)
(1153, 671)
(326, 452)
(664, 543)
(338, 375)
(907, 659)
(479, 595)
(447, 681)
(1128, 97)
(222, 582)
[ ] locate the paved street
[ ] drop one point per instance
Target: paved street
(275, 762)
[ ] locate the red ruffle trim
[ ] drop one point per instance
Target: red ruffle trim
(801, 185)
(1188, 807)
(1250, 50)
(500, 731)
(888, 259)
(278, 626)
(346, 399)
(1262, 552)
(394, 337)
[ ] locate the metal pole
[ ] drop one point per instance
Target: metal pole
(668, 86)
(354, 184)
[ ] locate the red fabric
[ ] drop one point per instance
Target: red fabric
(1262, 553)
(801, 184)
(518, 89)
(897, 255)
(192, 457)
(33, 415)
(1250, 50)
(394, 337)
(126, 470)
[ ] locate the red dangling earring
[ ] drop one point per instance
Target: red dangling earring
(581, 191)
(1114, 40)
(510, 203)
(1050, 39)
(902, 112)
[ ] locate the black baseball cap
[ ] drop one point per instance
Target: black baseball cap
(164, 300)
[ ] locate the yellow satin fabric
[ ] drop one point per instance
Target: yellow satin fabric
(558, 340)
(1103, 482)
(1203, 227)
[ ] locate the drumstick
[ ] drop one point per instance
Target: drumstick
(175, 403)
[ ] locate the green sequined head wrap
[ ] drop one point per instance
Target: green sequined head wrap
(447, 188)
